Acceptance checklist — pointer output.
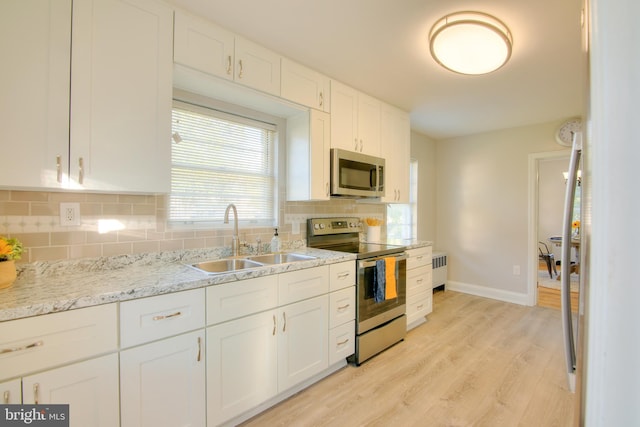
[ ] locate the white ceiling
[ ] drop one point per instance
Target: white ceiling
(381, 47)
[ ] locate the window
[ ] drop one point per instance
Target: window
(402, 218)
(217, 159)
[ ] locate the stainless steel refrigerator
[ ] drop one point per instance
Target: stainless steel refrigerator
(576, 228)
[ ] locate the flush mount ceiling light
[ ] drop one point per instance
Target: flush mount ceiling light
(470, 42)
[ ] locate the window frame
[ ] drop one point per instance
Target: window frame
(225, 111)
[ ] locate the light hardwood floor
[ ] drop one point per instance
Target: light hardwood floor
(476, 362)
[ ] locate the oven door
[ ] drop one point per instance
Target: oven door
(371, 314)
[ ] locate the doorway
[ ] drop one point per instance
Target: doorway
(546, 200)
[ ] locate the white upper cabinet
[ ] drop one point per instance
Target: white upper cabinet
(35, 46)
(395, 148)
(121, 93)
(101, 123)
(308, 149)
(355, 120)
(203, 46)
(305, 86)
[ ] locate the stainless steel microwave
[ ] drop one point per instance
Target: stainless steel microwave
(356, 174)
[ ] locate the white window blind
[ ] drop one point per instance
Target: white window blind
(218, 159)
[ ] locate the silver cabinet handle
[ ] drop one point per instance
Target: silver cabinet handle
(327, 186)
(59, 168)
(284, 317)
(241, 69)
(343, 307)
(343, 275)
(274, 325)
(5, 398)
(420, 306)
(321, 99)
(361, 145)
(229, 64)
(356, 146)
(343, 342)
(24, 347)
(419, 257)
(167, 316)
(36, 390)
(420, 280)
(199, 349)
(398, 194)
(80, 170)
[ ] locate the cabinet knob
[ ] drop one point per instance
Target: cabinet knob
(80, 170)
(59, 168)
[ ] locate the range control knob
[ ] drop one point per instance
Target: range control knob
(316, 226)
(322, 226)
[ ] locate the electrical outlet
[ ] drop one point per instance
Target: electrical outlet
(69, 214)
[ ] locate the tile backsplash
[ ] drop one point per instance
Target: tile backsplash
(119, 224)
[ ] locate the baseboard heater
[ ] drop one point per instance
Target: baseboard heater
(439, 265)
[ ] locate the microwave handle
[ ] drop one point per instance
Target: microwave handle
(372, 263)
(373, 177)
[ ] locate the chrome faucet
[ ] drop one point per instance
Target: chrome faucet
(234, 242)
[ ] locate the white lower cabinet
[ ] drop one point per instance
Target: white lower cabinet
(419, 289)
(163, 383)
(303, 341)
(242, 368)
(90, 388)
(11, 392)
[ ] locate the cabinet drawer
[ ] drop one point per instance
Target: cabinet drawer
(342, 342)
(419, 257)
(342, 306)
(302, 284)
(419, 279)
(36, 343)
(420, 304)
(153, 318)
(342, 275)
(237, 299)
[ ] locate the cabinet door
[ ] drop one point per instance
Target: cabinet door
(35, 46)
(304, 86)
(395, 149)
(203, 46)
(241, 365)
(11, 392)
(121, 93)
(163, 383)
(369, 125)
(344, 117)
(90, 388)
(308, 156)
(303, 342)
(257, 67)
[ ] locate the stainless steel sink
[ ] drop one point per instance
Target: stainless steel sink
(226, 265)
(280, 258)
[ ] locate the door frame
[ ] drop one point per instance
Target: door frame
(534, 171)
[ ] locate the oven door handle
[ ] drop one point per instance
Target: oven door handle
(372, 262)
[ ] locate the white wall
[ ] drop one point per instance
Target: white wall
(482, 207)
(423, 149)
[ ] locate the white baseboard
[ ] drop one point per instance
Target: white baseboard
(483, 291)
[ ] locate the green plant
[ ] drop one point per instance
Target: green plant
(10, 249)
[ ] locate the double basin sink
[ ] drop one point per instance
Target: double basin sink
(229, 265)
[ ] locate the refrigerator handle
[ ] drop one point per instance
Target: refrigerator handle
(565, 272)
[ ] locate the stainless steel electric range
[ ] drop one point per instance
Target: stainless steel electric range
(379, 325)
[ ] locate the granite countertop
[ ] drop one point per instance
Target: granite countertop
(49, 287)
